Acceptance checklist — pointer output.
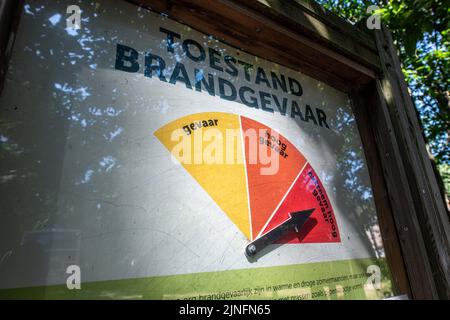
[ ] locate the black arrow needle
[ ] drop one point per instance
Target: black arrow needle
(294, 223)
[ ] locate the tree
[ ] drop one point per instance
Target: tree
(421, 32)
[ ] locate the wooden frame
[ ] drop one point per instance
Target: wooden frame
(10, 11)
(301, 35)
(411, 211)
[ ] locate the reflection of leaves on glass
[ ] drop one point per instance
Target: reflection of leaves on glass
(105, 165)
(68, 132)
(72, 57)
(350, 164)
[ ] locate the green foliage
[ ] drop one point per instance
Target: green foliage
(421, 32)
(444, 169)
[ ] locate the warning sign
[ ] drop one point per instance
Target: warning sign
(255, 201)
(170, 154)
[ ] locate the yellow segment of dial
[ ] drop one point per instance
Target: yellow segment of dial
(209, 146)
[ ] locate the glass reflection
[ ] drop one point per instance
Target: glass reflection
(82, 177)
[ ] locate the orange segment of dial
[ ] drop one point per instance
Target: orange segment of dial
(269, 177)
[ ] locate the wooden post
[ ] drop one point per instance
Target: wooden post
(418, 206)
(9, 18)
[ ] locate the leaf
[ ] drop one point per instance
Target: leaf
(410, 43)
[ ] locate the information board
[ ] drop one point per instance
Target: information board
(152, 155)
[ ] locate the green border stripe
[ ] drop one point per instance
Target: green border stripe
(331, 280)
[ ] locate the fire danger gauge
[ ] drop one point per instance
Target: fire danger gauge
(261, 205)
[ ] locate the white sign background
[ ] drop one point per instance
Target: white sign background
(101, 191)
